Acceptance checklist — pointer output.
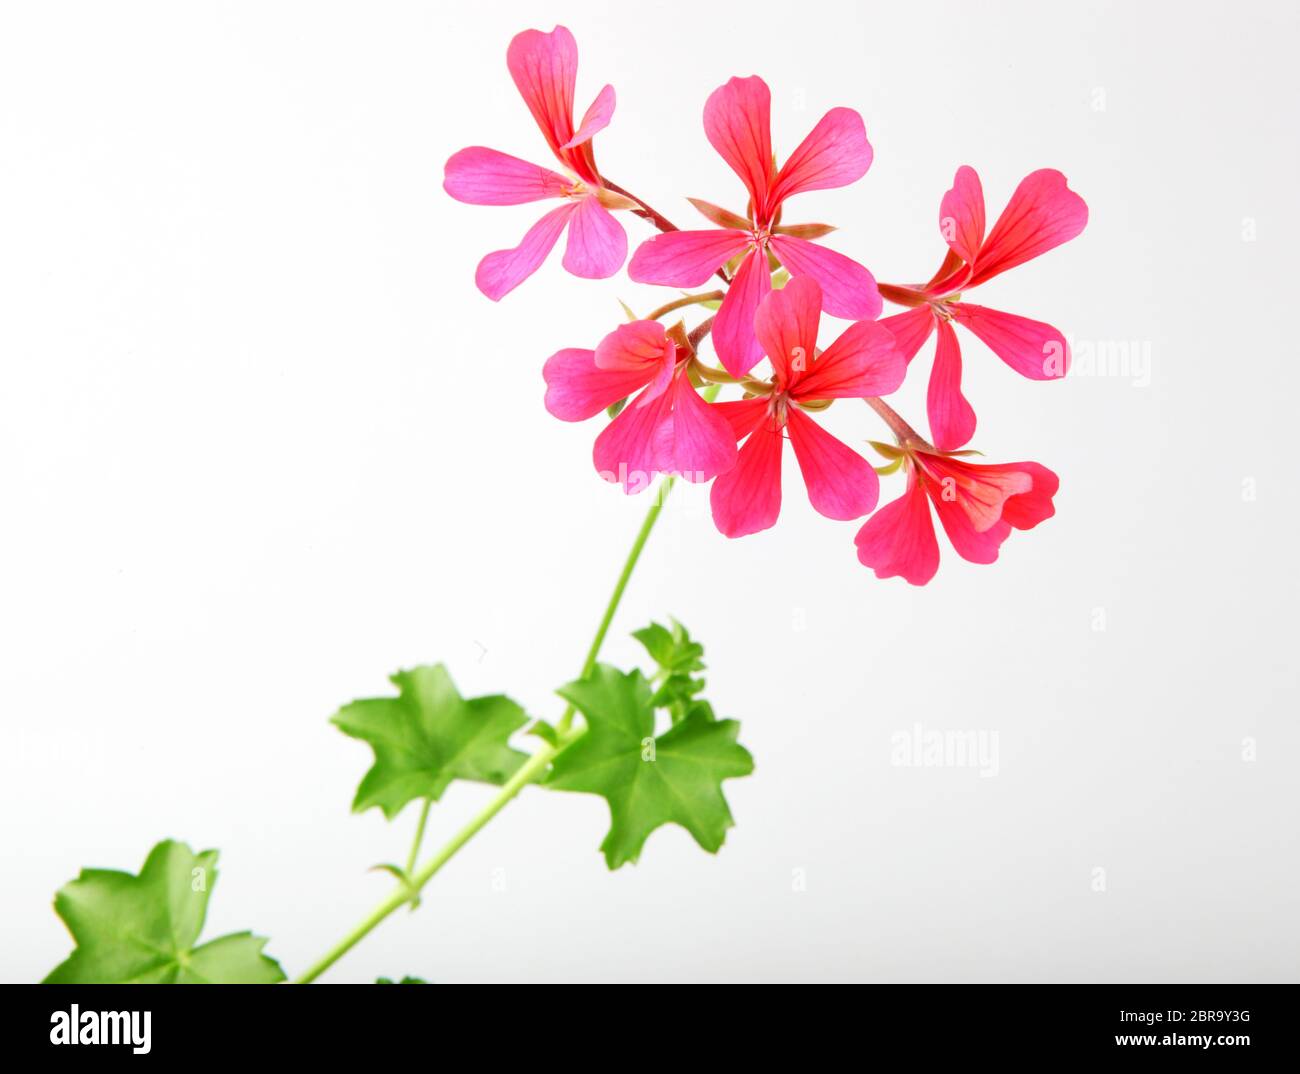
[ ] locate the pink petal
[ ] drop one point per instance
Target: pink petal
(1033, 349)
(747, 498)
(834, 154)
(975, 491)
(952, 276)
(841, 484)
(848, 289)
(910, 329)
(1043, 213)
(743, 415)
(898, 540)
(597, 244)
(644, 347)
(733, 327)
(952, 419)
(626, 452)
(974, 546)
(695, 442)
(482, 176)
(961, 214)
(577, 388)
(501, 272)
(1025, 510)
(864, 362)
(545, 69)
(737, 122)
(596, 119)
(684, 258)
(786, 326)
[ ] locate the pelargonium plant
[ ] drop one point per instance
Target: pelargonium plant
(794, 327)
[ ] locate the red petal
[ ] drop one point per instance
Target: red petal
(841, 484)
(952, 420)
(737, 122)
(1043, 213)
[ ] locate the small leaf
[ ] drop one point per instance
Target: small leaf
(428, 736)
(677, 656)
(142, 929)
(672, 649)
(544, 731)
(648, 781)
(404, 980)
(615, 409)
(627, 310)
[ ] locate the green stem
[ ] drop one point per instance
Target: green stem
(533, 767)
(419, 836)
(682, 303)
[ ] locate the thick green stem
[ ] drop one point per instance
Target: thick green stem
(533, 767)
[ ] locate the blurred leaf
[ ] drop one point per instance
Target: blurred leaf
(142, 929)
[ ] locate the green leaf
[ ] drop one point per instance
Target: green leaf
(142, 929)
(648, 781)
(672, 649)
(404, 980)
(428, 736)
(545, 731)
(677, 656)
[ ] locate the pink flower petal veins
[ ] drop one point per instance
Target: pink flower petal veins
(684, 258)
(834, 154)
(786, 326)
(910, 330)
(976, 491)
(899, 541)
(1025, 510)
(1042, 213)
(737, 122)
(643, 346)
(864, 362)
(694, 441)
(733, 326)
(626, 451)
(544, 67)
(480, 176)
(747, 498)
(1033, 349)
(578, 389)
(848, 289)
(841, 484)
(501, 272)
(597, 244)
(952, 419)
(961, 214)
(596, 119)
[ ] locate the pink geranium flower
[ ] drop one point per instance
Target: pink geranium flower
(545, 69)
(836, 153)
(1042, 213)
(862, 363)
(978, 506)
(667, 428)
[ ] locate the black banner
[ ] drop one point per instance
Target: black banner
(1223, 1024)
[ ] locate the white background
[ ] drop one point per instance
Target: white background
(262, 443)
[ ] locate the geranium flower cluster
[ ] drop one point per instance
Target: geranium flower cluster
(773, 282)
